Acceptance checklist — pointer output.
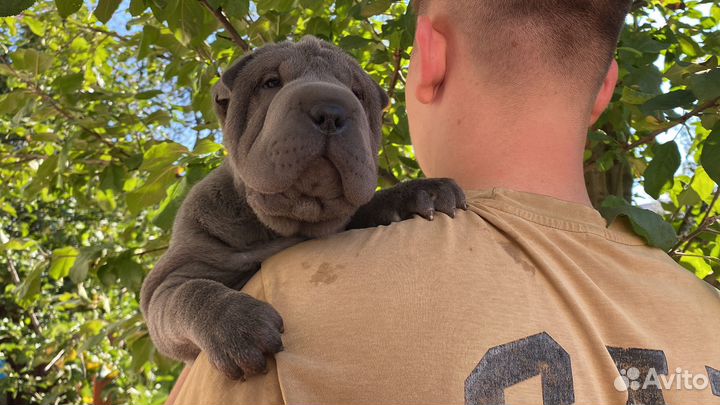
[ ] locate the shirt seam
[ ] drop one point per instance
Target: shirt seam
(267, 299)
(564, 224)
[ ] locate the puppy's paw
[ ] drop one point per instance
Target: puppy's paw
(243, 331)
(424, 197)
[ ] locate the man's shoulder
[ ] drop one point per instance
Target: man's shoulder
(404, 235)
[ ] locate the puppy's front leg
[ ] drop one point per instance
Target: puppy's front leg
(186, 314)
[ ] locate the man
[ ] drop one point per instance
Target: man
(525, 298)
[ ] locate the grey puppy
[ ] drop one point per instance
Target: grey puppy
(302, 128)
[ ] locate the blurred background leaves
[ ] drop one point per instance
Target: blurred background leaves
(106, 122)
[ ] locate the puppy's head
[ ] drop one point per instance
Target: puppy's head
(302, 127)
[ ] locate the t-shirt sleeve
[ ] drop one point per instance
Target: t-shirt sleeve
(204, 381)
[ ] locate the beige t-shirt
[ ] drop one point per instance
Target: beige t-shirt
(523, 299)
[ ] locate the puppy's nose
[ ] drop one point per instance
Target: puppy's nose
(329, 118)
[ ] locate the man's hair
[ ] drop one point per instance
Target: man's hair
(517, 39)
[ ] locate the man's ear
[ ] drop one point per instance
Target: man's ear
(431, 47)
(605, 94)
(223, 89)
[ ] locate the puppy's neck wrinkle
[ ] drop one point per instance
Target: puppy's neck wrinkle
(238, 185)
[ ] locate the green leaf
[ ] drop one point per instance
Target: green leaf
(45, 173)
(93, 327)
(106, 200)
(152, 192)
(188, 17)
(645, 223)
(162, 155)
(710, 158)
(18, 244)
(11, 103)
(69, 83)
(148, 94)
(105, 9)
(633, 96)
(688, 197)
(688, 46)
(8, 208)
(662, 168)
(149, 37)
(697, 265)
(277, 6)
(31, 60)
(129, 271)
(79, 270)
(206, 146)
(706, 86)
(668, 101)
(107, 275)
(137, 7)
(141, 350)
(37, 27)
(62, 261)
(374, 7)
(160, 117)
(641, 42)
(112, 178)
(237, 8)
(703, 185)
(354, 42)
(68, 7)
(30, 285)
(164, 216)
(13, 7)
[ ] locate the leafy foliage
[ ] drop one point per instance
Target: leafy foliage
(106, 123)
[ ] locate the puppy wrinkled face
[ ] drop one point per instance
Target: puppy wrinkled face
(302, 126)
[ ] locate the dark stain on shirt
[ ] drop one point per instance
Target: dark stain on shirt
(516, 254)
(326, 274)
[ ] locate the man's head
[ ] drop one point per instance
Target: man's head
(487, 61)
(302, 127)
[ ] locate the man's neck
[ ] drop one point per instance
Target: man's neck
(532, 149)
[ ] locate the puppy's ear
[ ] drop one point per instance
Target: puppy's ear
(223, 89)
(384, 99)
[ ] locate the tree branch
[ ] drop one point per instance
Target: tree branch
(218, 13)
(16, 280)
(709, 258)
(388, 176)
(705, 224)
(396, 73)
(145, 252)
(20, 159)
(638, 4)
(682, 120)
(54, 104)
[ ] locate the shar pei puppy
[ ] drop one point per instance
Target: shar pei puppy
(302, 127)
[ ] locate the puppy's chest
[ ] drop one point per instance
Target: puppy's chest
(230, 219)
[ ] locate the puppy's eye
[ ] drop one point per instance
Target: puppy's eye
(272, 83)
(222, 102)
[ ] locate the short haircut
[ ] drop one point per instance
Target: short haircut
(567, 38)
